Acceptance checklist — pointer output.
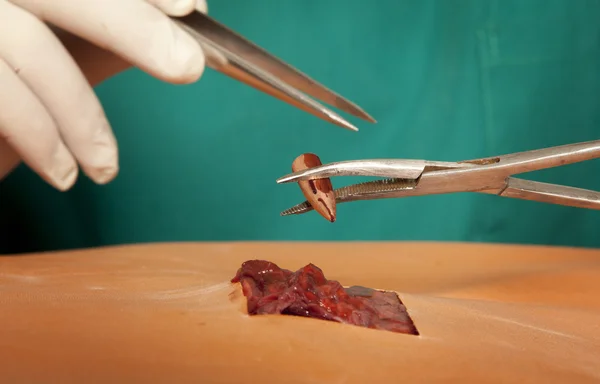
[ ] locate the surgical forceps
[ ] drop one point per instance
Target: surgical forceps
(491, 175)
(231, 54)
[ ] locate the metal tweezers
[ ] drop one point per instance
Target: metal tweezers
(492, 175)
(231, 54)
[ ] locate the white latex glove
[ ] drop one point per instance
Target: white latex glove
(49, 115)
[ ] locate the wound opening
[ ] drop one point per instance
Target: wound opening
(270, 290)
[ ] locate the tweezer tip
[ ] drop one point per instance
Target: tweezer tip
(353, 109)
(340, 122)
(365, 116)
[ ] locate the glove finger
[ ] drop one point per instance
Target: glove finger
(28, 128)
(174, 7)
(53, 76)
(202, 6)
(180, 7)
(132, 29)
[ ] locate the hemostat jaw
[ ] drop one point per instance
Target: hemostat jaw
(387, 168)
(369, 190)
(494, 175)
(401, 175)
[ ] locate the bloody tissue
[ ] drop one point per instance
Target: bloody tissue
(272, 290)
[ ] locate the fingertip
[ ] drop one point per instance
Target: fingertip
(196, 70)
(175, 8)
(189, 61)
(101, 164)
(105, 175)
(102, 175)
(182, 7)
(178, 58)
(64, 176)
(179, 8)
(202, 6)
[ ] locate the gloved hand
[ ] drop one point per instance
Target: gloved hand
(49, 115)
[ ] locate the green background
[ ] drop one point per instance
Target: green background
(446, 80)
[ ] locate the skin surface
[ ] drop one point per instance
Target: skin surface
(168, 313)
